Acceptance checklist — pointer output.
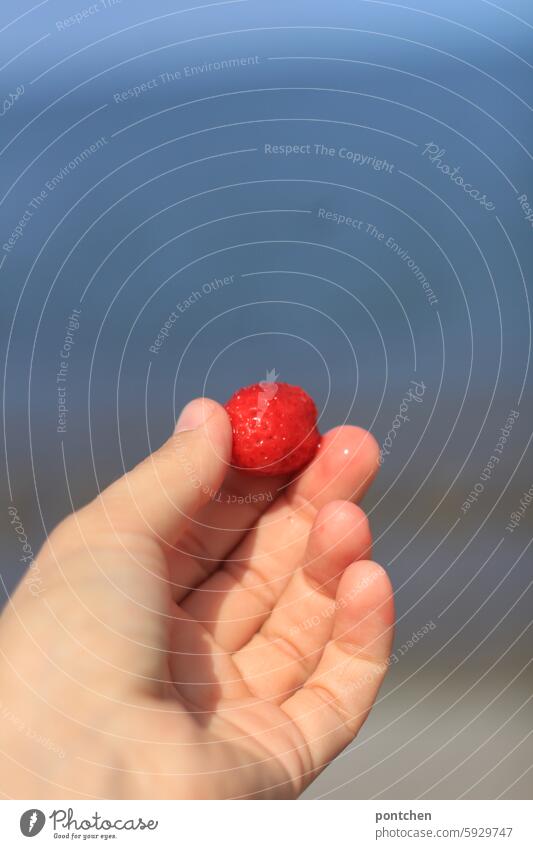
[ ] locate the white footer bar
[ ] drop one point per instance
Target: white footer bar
(267, 825)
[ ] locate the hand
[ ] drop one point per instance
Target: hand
(198, 633)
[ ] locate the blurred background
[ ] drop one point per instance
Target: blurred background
(285, 177)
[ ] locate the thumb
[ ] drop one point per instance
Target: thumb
(103, 616)
(159, 495)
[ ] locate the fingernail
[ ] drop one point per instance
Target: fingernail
(195, 414)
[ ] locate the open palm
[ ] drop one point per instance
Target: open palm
(201, 633)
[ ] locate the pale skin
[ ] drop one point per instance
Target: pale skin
(184, 645)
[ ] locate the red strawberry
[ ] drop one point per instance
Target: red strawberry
(274, 428)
